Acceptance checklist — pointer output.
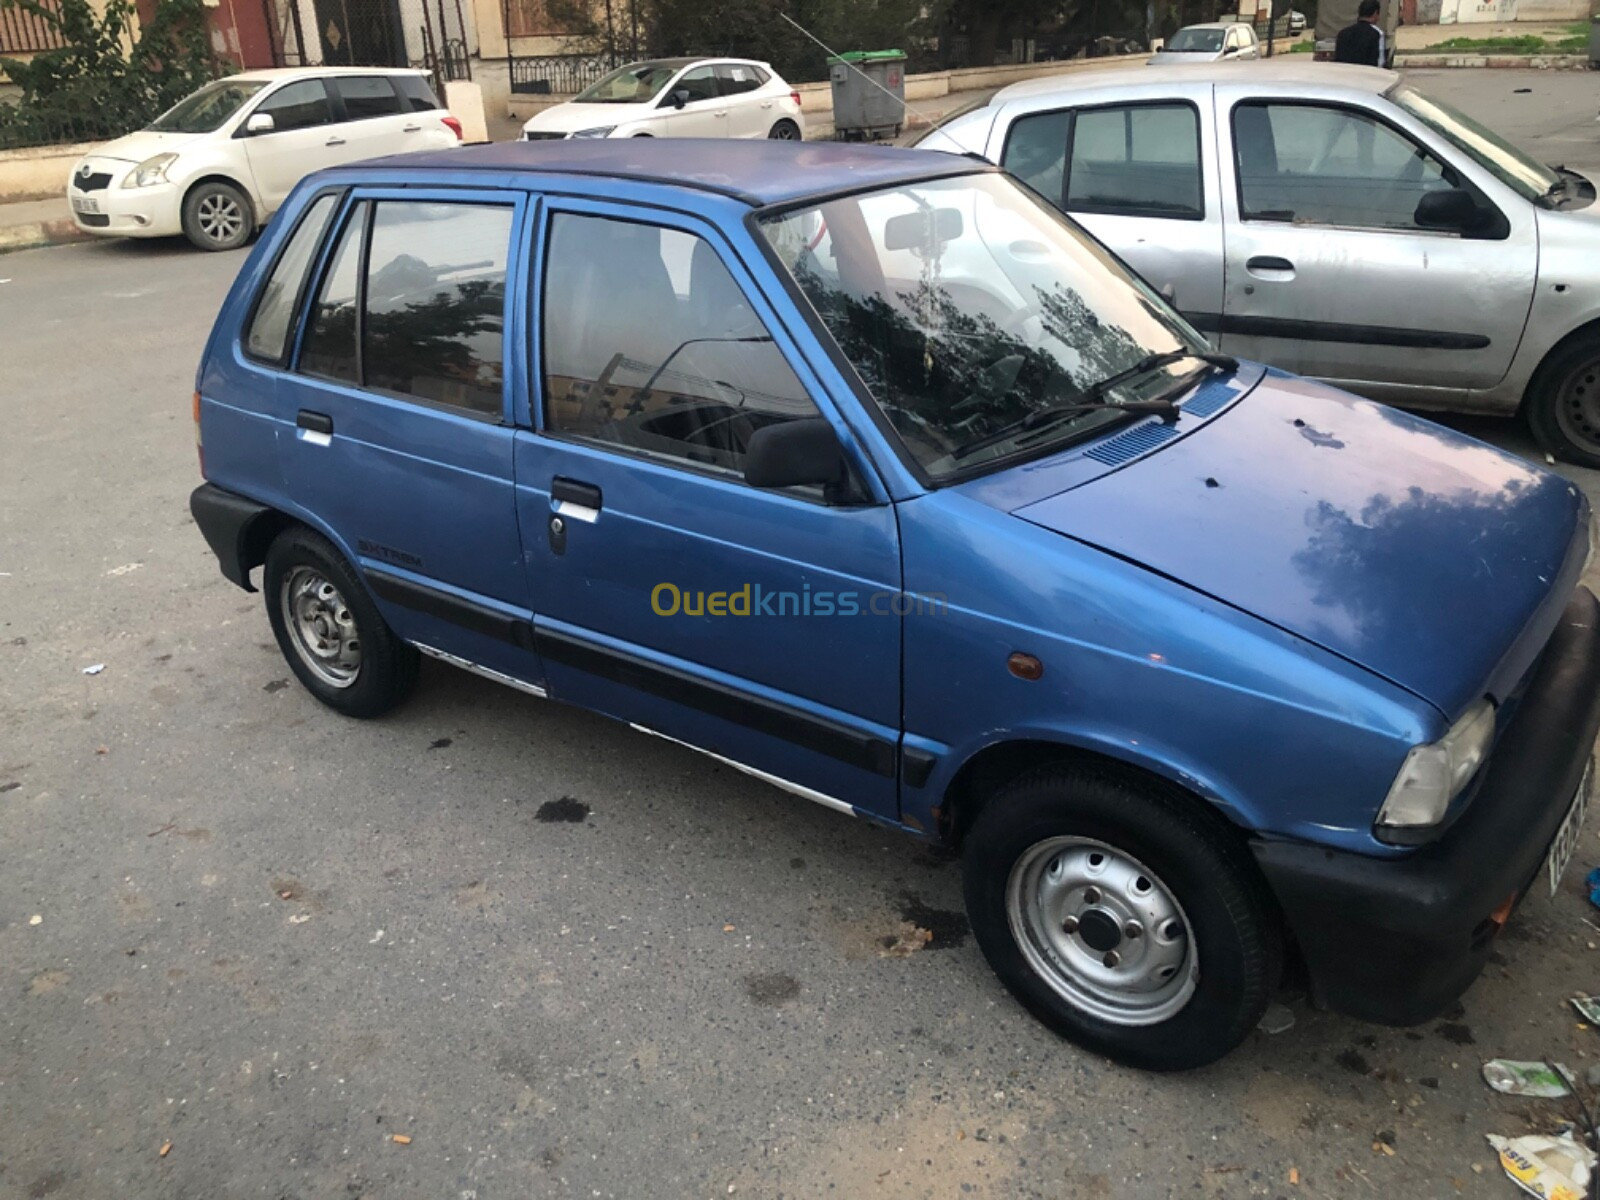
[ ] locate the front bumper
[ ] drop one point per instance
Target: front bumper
(1396, 941)
(155, 211)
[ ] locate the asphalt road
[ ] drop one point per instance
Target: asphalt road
(272, 938)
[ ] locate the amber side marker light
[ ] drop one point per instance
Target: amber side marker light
(199, 447)
(1025, 666)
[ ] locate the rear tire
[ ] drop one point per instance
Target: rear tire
(784, 131)
(218, 216)
(330, 631)
(1123, 915)
(1563, 404)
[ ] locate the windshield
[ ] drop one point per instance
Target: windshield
(637, 83)
(1208, 41)
(965, 305)
(1491, 151)
(208, 108)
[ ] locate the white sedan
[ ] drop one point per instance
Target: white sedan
(678, 97)
(218, 164)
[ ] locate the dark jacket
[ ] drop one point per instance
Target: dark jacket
(1358, 44)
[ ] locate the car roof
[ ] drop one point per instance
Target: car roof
(1272, 74)
(758, 171)
(1213, 25)
(273, 74)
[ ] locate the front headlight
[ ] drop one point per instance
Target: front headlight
(1433, 775)
(597, 131)
(151, 171)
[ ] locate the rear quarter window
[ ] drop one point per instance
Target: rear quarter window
(267, 336)
(415, 93)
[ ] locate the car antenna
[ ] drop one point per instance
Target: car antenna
(923, 117)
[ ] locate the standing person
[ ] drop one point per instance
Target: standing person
(1361, 43)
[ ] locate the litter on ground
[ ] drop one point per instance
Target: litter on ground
(1550, 1167)
(1536, 1079)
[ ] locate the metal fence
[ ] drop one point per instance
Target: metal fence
(25, 32)
(375, 33)
(558, 74)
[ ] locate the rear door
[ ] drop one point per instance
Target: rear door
(759, 625)
(1140, 176)
(1327, 271)
(375, 116)
(401, 445)
(739, 84)
(303, 139)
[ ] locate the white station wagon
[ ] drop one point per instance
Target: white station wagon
(1333, 221)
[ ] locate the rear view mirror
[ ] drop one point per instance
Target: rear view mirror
(925, 229)
(260, 123)
(795, 454)
(1452, 209)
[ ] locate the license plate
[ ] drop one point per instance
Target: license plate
(85, 205)
(1561, 850)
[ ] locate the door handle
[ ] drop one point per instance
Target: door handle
(334, 141)
(1270, 264)
(412, 129)
(315, 427)
(576, 499)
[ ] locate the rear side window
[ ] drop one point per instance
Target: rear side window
(1140, 160)
(435, 303)
(268, 335)
(416, 94)
(367, 96)
(330, 342)
(737, 78)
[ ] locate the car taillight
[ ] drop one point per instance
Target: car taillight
(198, 445)
(453, 125)
(795, 96)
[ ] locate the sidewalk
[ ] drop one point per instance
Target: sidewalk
(31, 223)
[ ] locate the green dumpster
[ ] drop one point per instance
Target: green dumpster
(869, 93)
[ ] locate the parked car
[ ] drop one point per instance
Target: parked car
(1334, 221)
(218, 164)
(678, 97)
(1297, 22)
(1218, 42)
(863, 471)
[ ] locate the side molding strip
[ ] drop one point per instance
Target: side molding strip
(800, 790)
(510, 681)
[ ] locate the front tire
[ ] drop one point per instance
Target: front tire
(1564, 401)
(218, 216)
(1122, 915)
(784, 131)
(329, 630)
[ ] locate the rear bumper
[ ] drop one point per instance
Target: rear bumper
(229, 523)
(1396, 941)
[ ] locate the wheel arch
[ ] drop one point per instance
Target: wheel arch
(1588, 329)
(240, 185)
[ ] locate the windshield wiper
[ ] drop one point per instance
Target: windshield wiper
(1093, 398)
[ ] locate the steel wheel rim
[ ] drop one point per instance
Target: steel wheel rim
(321, 627)
(220, 217)
(1102, 930)
(1578, 406)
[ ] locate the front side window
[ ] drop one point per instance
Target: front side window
(976, 318)
(650, 345)
(300, 105)
(208, 109)
(435, 303)
(1141, 159)
(268, 335)
(700, 83)
(329, 347)
(367, 96)
(1315, 165)
(1036, 152)
(1195, 41)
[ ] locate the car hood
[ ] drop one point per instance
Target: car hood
(1399, 545)
(144, 143)
(1167, 58)
(570, 118)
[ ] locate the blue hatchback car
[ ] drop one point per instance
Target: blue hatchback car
(863, 471)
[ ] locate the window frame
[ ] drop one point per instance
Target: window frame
(313, 271)
(516, 200)
(1072, 135)
(783, 339)
(1501, 228)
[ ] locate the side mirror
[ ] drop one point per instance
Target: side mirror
(260, 123)
(795, 454)
(680, 97)
(1453, 209)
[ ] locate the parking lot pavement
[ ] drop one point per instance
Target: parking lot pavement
(274, 939)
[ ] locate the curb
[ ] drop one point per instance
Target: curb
(1538, 62)
(33, 234)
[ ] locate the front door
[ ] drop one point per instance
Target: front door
(401, 444)
(704, 113)
(1328, 273)
(303, 139)
(757, 625)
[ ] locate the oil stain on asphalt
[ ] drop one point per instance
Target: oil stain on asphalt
(564, 809)
(948, 927)
(773, 989)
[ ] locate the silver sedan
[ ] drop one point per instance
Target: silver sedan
(1333, 221)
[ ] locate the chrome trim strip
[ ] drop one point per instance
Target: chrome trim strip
(510, 681)
(576, 512)
(800, 790)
